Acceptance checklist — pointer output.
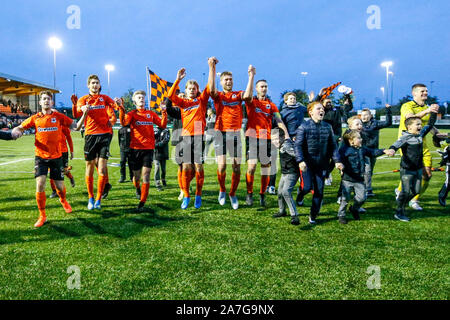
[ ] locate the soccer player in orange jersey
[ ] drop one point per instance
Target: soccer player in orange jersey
(193, 117)
(98, 117)
(48, 125)
(229, 114)
(65, 157)
(142, 142)
(260, 111)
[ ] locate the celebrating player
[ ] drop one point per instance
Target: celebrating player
(193, 111)
(229, 115)
(260, 111)
(48, 125)
(99, 117)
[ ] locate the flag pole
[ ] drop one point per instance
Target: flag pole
(148, 89)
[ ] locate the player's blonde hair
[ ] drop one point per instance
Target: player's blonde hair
(92, 76)
(225, 73)
(45, 93)
(139, 92)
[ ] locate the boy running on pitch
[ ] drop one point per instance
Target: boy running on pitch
(48, 125)
(229, 114)
(142, 142)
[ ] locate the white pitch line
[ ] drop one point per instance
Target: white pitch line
(15, 161)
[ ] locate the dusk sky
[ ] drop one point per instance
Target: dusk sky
(328, 39)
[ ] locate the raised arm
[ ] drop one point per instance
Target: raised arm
(212, 76)
(429, 126)
(248, 94)
(172, 92)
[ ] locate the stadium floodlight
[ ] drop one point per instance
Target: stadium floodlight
(109, 68)
(387, 64)
(55, 44)
(304, 74)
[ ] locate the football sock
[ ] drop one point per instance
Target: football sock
(249, 179)
(136, 183)
(264, 183)
(235, 179)
(100, 186)
(90, 186)
(62, 194)
(200, 178)
(40, 199)
(221, 177)
(144, 191)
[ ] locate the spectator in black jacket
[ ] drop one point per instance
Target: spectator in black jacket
(124, 144)
(354, 156)
(5, 135)
(314, 147)
(162, 137)
(370, 136)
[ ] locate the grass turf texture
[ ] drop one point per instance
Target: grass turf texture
(214, 252)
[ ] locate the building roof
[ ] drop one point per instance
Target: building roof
(22, 87)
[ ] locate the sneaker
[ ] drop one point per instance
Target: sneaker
(355, 213)
(295, 220)
(311, 220)
(198, 202)
(234, 202)
(362, 210)
(271, 190)
(72, 182)
(90, 205)
(370, 193)
(140, 207)
(328, 182)
(180, 196)
(97, 204)
(415, 205)
(262, 200)
(397, 193)
(66, 206)
(122, 180)
(185, 203)
(279, 215)
(342, 220)
(249, 200)
(53, 195)
(222, 198)
(106, 190)
(138, 193)
(401, 217)
(338, 200)
(40, 222)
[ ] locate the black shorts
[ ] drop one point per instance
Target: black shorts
(140, 158)
(41, 167)
(259, 149)
(193, 149)
(65, 159)
(228, 141)
(97, 146)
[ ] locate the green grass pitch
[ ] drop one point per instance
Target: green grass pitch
(214, 252)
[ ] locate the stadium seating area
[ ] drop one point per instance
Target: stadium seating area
(6, 110)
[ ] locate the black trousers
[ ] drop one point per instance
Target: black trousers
(124, 158)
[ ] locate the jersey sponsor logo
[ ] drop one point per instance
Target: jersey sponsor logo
(47, 129)
(97, 107)
(231, 104)
(192, 108)
(144, 123)
(258, 110)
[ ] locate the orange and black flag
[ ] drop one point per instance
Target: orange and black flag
(159, 89)
(328, 90)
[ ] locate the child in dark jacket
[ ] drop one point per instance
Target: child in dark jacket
(370, 138)
(411, 165)
(162, 138)
(314, 147)
(353, 156)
